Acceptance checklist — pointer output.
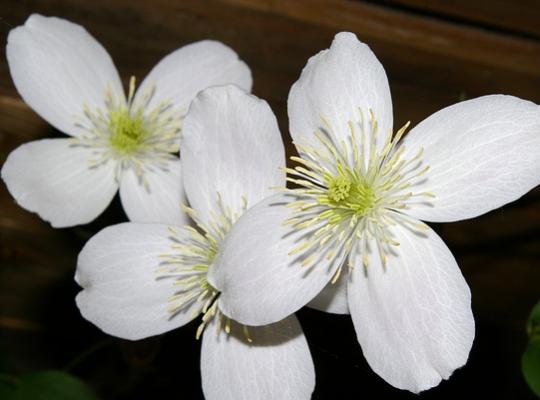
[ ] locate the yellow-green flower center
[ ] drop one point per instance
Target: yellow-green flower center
(349, 192)
(339, 188)
(127, 131)
(134, 133)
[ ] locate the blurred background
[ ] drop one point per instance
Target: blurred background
(435, 54)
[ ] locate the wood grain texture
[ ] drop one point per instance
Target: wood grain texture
(512, 16)
(431, 63)
(465, 43)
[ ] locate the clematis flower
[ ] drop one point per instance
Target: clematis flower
(141, 280)
(354, 218)
(117, 142)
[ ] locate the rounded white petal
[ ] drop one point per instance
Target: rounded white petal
(334, 85)
(482, 153)
(58, 68)
(123, 294)
(232, 146)
(182, 74)
(157, 197)
(259, 282)
(333, 298)
(54, 179)
(412, 317)
(276, 365)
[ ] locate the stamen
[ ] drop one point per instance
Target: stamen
(354, 189)
(131, 90)
(337, 275)
(128, 132)
(247, 335)
(190, 258)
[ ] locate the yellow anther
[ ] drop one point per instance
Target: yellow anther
(336, 275)
(246, 334)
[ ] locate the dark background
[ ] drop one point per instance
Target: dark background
(435, 54)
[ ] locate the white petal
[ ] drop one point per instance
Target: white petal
(333, 298)
(159, 199)
(122, 292)
(276, 365)
(335, 84)
(259, 282)
(231, 145)
(482, 154)
(53, 179)
(413, 317)
(58, 67)
(182, 74)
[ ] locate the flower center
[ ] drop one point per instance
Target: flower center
(339, 188)
(126, 131)
(351, 191)
(133, 133)
(189, 261)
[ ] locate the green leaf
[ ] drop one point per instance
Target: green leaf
(530, 361)
(7, 389)
(533, 325)
(51, 385)
(530, 365)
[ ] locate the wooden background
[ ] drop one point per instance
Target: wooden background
(435, 53)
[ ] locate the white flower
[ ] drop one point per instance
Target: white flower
(145, 279)
(355, 217)
(69, 79)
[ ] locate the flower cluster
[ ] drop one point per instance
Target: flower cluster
(215, 232)
(130, 144)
